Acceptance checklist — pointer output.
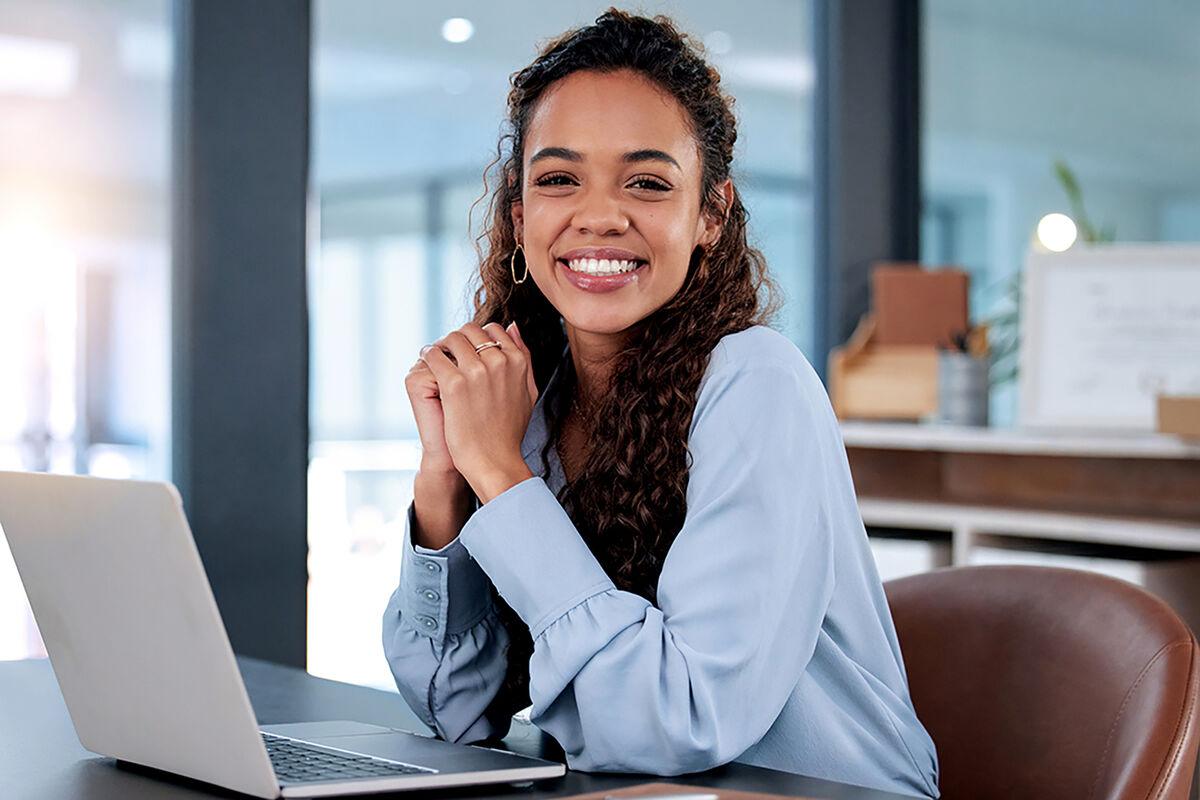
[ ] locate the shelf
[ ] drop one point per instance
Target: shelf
(971, 520)
(1016, 441)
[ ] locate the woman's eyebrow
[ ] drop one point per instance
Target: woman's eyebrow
(632, 157)
(649, 155)
(556, 152)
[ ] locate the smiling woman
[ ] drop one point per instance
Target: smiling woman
(633, 508)
(613, 161)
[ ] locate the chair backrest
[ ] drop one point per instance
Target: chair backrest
(1037, 682)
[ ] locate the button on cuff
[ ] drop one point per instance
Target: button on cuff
(445, 585)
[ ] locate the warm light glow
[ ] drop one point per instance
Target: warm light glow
(37, 326)
(109, 464)
(38, 67)
(31, 262)
(457, 30)
(1056, 232)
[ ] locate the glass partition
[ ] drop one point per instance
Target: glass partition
(84, 215)
(1109, 91)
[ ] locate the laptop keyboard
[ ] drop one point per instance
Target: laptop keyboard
(299, 762)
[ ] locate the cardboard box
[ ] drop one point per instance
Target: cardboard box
(873, 381)
(915, 306)
(1179, 415)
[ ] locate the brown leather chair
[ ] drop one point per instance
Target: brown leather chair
(1038, 682)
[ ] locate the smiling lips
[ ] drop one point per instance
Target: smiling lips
(600, 269)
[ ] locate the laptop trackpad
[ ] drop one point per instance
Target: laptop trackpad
(410, 748)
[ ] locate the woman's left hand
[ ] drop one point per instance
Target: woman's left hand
(487, 398)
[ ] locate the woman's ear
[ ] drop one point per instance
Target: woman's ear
(518, 220)
(714, 221)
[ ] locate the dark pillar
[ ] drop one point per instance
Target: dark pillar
(240, 322)
(866, 152)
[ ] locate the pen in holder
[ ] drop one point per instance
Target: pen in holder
(963, 379)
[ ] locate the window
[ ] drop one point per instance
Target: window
(84, 91)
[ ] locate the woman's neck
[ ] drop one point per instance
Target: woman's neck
(593, 356)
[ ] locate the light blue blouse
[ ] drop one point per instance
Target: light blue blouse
(772, 643)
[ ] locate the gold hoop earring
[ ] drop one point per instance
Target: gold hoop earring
(512, 265)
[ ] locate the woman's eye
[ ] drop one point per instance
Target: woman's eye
(555, 179)
(647, 182)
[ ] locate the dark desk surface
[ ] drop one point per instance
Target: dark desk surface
(40, 758)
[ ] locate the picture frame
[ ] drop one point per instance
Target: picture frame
(1105, 330)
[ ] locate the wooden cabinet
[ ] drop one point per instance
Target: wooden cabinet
(1134, 497)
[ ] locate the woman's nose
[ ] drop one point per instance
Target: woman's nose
(599, 212)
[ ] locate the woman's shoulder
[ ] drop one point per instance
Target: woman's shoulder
(761, 369)
(760, 351)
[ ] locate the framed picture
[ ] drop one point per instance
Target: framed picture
(1105, 329)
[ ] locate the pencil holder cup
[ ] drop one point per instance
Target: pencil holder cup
(962, 389)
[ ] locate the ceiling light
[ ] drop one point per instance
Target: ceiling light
(457, 30)
(1056, 232)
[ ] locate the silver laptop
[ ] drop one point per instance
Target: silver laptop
(147, 672)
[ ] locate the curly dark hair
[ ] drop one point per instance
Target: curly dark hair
(629, 499)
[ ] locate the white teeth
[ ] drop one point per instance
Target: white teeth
(602, 266)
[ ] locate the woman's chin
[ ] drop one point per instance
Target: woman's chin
(607, 324)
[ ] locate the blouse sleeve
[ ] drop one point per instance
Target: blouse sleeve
(627, 686)
(446, 644)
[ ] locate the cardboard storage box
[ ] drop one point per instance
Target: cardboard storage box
(868, 380)
(1179, 415)
(915, 306)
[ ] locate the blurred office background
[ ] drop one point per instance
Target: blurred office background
(84, 250)
(406, 109)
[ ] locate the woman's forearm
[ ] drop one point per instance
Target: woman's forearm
(442, 502)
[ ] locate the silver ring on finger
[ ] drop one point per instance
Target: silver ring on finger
(486, 345)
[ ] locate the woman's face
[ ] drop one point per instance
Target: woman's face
(610, 206)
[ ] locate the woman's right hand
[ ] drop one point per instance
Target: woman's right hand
(442, 500)
(426, 404)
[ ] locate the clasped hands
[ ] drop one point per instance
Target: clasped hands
(472, 405)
